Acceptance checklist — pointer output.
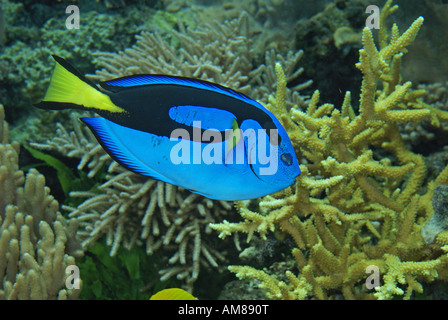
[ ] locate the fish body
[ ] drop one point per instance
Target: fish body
(191, 133)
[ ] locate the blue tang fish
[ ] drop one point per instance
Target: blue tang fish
(191, 133)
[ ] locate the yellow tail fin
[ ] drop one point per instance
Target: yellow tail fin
(69, 89)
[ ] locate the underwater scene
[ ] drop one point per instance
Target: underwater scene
(224, 149)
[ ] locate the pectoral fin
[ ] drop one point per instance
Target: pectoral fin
(234, 146)
(235, 136)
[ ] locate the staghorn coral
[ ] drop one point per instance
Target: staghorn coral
(348, 210)
(36, 242)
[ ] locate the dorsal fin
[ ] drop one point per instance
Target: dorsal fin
(126, 82)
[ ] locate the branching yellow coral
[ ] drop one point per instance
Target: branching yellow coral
(353, 207)
(404, 273)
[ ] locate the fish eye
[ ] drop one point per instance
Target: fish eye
(286, 158)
